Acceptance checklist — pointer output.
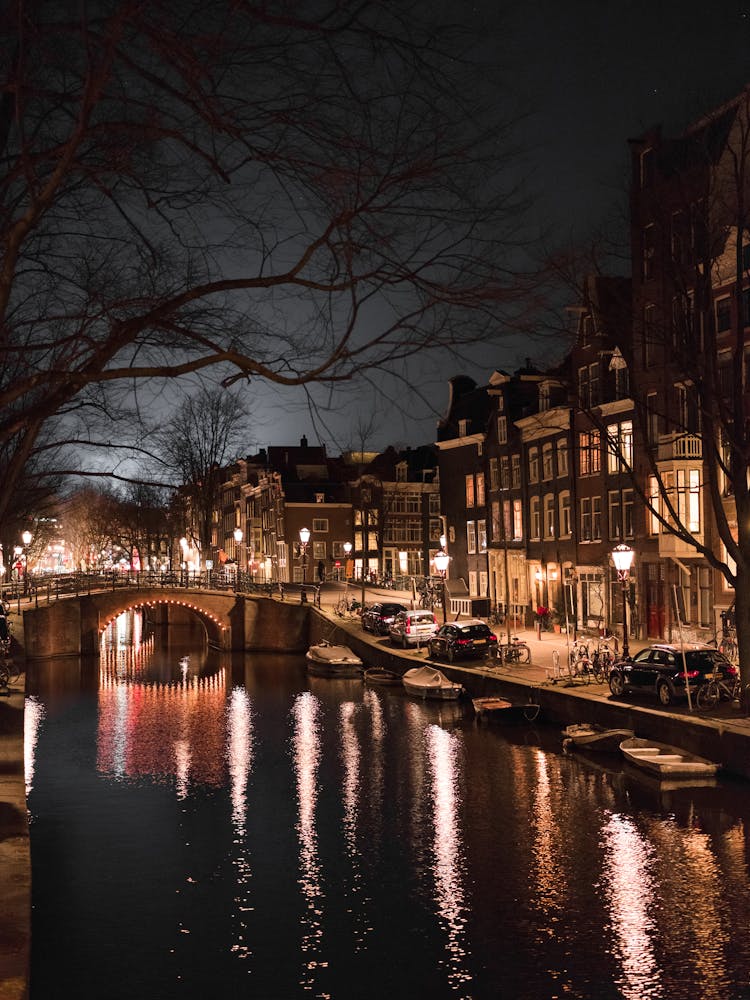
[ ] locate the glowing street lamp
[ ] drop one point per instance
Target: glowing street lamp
(622, 557)
(26, 537)
(441, 561)
(304, 538)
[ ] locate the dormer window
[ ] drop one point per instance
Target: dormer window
(401, 471)
(544, 397)
(320, 498)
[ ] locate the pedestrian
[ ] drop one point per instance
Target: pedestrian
(321, 571)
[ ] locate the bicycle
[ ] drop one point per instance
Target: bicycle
(515, 651)
(497, 617)
(580, 667)
(602, 662)
(345, 608)
(714, 688)
(728, 646)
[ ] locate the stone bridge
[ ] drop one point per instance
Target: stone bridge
(73, 626)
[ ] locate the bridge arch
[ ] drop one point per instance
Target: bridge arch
(216, 628)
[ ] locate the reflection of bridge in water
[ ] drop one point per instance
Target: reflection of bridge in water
(73, 625)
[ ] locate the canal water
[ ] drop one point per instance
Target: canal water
(232, 828)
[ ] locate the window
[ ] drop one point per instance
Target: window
(502, 430)
(652, 521)
(687, 408)
(434, 503)
(650, 335)
(562, 457)
(319, 550)
(482, 535)
(586, 330)
(544, 397)
(473, 583)
(723, 314)
(622, 382)
(494, 478)
(471, 537)
(619, 447)
(627, 513)
(586, 519)
(565, 520)
(596, 518)
(320, 498)
(535, 517)
(649, 246)
(589, 453)
(480, 490)
(704, 597)
(515, 473)
(505, 472)
(470, 491)
(588, 385)
(320, 524)
(533, 465)
(549, 516)
(507, 520)
(436, 529)
(517, 521)
(496, 527)
(652, 418)
(547, 471)
(688, 499)
(401, 472)
(615, 515)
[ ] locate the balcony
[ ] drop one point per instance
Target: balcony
(679, 447)
(670, 546)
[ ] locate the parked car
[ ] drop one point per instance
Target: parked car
(412, 628)
(378, 617)
(468, 638)
(660, 670)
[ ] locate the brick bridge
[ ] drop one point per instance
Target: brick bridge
(73, 626)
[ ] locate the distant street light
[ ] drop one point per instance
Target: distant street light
(347, 554)
(622, 557)
(304, 538)
(441, 561)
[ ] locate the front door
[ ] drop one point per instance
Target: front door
(655, 608)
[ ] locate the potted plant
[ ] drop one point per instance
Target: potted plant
(541, 617)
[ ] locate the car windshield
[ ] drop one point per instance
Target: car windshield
(391, 609)
(422, 619)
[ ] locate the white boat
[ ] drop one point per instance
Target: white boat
(428, 682)
(666, 761)
(325, 659)
(588, 736)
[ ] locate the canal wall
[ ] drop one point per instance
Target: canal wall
(724, 740)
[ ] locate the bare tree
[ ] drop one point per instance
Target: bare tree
(298, 193)
(208, 430)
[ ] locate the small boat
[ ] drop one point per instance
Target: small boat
(379, 675)
(503, 711)
(428, 682)
(666, 761)
(324, 659)
(588, 736)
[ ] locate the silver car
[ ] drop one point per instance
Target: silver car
(412, 628)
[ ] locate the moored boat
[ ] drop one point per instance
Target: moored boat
(505, 712)
(588, 736)
(666, 761)
(379, 675)
(428, 682)
(325, 659)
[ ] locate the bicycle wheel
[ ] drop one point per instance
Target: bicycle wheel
(556, 660)
(524, 653)
(600, 672)
(707, 695)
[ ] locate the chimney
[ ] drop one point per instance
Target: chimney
(303, 442)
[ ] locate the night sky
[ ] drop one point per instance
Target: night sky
(592, 74)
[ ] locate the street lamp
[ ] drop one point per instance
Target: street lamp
(622, 557)
(347, 554)
(26, 537)
(304, 538)
(441, 561)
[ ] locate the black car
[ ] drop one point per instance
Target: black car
(660, 669)
(456, 640)
(377, 617)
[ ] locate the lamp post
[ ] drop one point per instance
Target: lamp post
(622, 557)
(304, 538)
(347, 556)
(441, 561)
(26, 537)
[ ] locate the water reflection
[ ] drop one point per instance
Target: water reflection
(239, 755)
(32, 722)
(306, 747)
(443, 751)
